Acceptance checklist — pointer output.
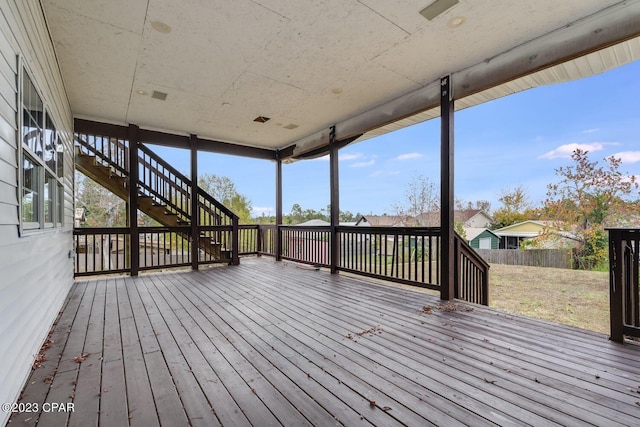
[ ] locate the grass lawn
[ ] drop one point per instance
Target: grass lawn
(572, 297)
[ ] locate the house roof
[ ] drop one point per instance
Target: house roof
(473, 232)
(432, 219)
(364, 66)
(385, 220)
(529, 228)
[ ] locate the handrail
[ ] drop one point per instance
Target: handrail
(408, 255)
(624, 282)
(169, 188)
(120, 162)
(471, 273)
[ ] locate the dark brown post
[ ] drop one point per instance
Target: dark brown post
(195, 217)
(335, 199)
(276, 237)
(448, 284)
(616, 286)
(134, 236)
(235, 244)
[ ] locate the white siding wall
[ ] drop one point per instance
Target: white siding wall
(35, 270)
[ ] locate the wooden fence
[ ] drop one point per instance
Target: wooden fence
(556, 258)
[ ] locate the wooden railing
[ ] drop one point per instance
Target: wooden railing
(400, 254)
(406, 255)
(108, 250)
(166, 185)
(471, 274)
(308, 245)
(624, 250)
(108, 151)
(170, 191)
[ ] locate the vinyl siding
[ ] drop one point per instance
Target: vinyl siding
(36, 272)
(475, 243)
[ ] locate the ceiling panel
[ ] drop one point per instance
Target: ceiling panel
(307, 65)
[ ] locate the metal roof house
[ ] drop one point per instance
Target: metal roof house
(87, 83)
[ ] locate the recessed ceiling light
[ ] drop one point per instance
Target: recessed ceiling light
(161, 27)
(141, 92)
(159, 95)
(262, 119)
(456, 21)
(226, 105)
(337, 91)
(437, 8)
(290, 126)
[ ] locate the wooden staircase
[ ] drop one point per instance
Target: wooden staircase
(163, 196)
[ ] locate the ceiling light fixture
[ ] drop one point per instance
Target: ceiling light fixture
(437, 8)
(141, 92)
(456, 21)
(161, 27)
(262, 119)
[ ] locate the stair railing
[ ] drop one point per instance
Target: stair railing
(166, 186)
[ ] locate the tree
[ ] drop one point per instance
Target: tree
(588, 198)
(421, 196)
(224, 190)
(516, 207)
(103, 208)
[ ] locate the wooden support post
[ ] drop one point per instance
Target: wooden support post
(616, 285)
(277, 239)
(134, 236)
(447, 282)
(195, 217)
(335, 200)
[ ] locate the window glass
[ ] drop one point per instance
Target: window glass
(50, 144)
(50, 187)
(32, 117)
(30, 195)
(60, 204)
(60, 159)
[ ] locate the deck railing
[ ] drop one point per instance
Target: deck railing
(624, 250)
(472, 274)
(401, 254)
(408, 255)
(108, 250)
(308, 245)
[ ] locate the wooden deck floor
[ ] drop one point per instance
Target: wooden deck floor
(269, 343)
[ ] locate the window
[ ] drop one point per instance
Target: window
(42, 202)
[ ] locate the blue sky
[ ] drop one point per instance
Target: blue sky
(517, 140)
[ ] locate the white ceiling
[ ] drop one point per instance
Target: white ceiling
(306, 65)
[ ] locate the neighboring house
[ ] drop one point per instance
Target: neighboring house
(512, 236)
(473, 218)
(482, 238)
(384, 221)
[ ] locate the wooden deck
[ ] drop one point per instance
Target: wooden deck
(268, 343)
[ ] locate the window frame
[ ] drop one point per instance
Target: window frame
(50, 173)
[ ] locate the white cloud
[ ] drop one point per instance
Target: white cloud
(591, 130)
(343, 157)
(630, 178)
(628, 156)
(257, 211)
(363, 164)
(409, 156)
(565, 151)
(350, 156)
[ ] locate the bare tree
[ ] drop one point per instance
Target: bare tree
(420, 197)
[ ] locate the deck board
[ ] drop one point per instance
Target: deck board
(268, 343)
